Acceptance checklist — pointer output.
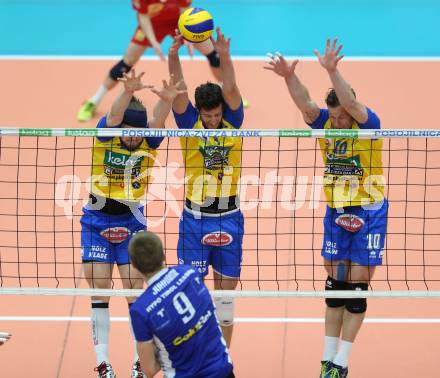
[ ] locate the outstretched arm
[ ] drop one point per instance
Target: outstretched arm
(175, 69)
(231, 92)
(132, 83)
(299, 93)
(343, 90)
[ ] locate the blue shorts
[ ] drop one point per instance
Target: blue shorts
(104, 237)
(215, 241)
(356, 234)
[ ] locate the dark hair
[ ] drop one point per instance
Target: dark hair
(332, 99)
(208, 96)
(136, 104)
(146, 252)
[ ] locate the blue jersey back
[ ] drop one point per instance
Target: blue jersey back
(177, 313)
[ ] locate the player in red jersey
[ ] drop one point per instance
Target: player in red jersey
(156, 20)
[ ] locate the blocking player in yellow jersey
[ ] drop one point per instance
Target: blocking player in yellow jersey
(356, 217)
(211, 226)
(120, 175)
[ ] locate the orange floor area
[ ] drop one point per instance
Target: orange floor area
(47, 94)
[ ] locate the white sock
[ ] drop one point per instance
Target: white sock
(100, 330)
(136, 355)
(341, 358)
(330, 348)
(98, 96)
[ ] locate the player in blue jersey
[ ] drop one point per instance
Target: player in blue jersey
(212, 226)
(174, 320)
(355, 222)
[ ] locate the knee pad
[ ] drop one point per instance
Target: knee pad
(332, 284)
(119, 69)
(225, 310)
(214, 59)
(357, 305)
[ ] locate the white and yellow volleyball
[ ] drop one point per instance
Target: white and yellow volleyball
(196, 25)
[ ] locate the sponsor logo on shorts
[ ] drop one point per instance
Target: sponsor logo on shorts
(115, 234)
(217, 239)
(200, 265)
(97, 252)
(350, 222)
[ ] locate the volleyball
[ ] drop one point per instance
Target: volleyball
(196, 25)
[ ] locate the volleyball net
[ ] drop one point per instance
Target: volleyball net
(45, 180)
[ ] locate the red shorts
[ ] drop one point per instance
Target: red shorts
(161, 29)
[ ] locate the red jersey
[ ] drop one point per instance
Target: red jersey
(160, 9)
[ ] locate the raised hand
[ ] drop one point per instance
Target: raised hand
(169, 90)
(222, 44)
(331, 56)
(133, 83)
(280, 66)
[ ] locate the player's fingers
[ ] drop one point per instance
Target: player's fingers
(340, 57)
(280, 56)
(327, 45)
(317, 53)
(164, 83)
(140, 75)
(271, 59)
(334, 43)
(269, 68)
(339, 49)
(294, 63)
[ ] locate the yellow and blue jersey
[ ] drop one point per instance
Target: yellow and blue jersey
(353, 167)
(176, 312)
(118, 173)
(212, 164)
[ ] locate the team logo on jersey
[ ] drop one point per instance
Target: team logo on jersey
(215, 156)
(350, 222)
(115, 234)
(217, 239)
